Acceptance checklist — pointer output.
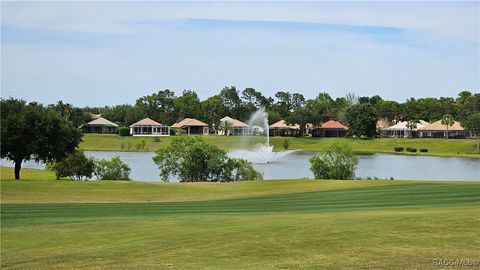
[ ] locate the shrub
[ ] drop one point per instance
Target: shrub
(423, 150)
(398, 149)
(411, 149)
(286, 144)
(76, 166)
(156, 139)
(236, 169)
(191, 159)
(179, 131)
(113, 169)
(338, 162)
(123, 131)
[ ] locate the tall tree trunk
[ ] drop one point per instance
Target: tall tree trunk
(18, 166)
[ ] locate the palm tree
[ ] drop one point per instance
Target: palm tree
(447, 120)
(411, 125)
(226, 127)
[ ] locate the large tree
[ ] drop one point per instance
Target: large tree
(188, 105)
(193, 160)
(213, 110)
(31, 131)
(361, 120)
(473, 125)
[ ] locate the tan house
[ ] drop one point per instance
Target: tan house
(192, 126)
(437, 130)
(281, 128)
(238, 127)
(99, 125)
(149, 127)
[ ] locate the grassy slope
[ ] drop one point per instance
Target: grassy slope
(32, 190)
(274, 225)
(440, 147)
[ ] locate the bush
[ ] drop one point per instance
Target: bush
(123, 131)
(191, 159)
(113, 169)
(179, 131)
(338, 162)
(423, 150)
(156, 139)
(240, 170)
(76, 166)
(286, 144)
(411, 149)
(399, 149)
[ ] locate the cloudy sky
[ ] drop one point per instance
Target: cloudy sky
(105, 53)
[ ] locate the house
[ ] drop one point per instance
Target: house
(438, 130)
(330, 129)
(400, 130)
(281, 128)
(99, 125)
(149, 127)
(238, 127)
(192, 126)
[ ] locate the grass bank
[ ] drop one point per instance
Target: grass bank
(436, 147)
(48, 224)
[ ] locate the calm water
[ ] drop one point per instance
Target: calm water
(297, 166)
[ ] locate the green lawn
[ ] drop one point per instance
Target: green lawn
(48, 224)
(437, 147)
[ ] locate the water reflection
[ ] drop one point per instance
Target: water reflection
(296, 166)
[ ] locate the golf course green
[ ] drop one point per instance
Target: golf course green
(302, 224)
(436, 147)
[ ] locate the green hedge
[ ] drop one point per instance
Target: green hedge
(423, 150)
(411, 149)
(398, 149)
(123, 131)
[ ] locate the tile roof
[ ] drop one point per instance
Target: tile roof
(189, 122)
(234, 122)
(102, 121)
(283, 124)
(146, 122)
(438, 126)
(403, 125)
(333, 124)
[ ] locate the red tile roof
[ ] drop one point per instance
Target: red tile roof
(333, 124)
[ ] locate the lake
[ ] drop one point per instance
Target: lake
(296, 166)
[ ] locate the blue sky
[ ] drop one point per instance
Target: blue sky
(105, 53)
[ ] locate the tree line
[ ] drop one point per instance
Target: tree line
(167, 108)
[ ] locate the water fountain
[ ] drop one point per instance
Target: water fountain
(263, 152)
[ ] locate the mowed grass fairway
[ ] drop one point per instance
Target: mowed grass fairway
(48, 224)
(436, 147)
